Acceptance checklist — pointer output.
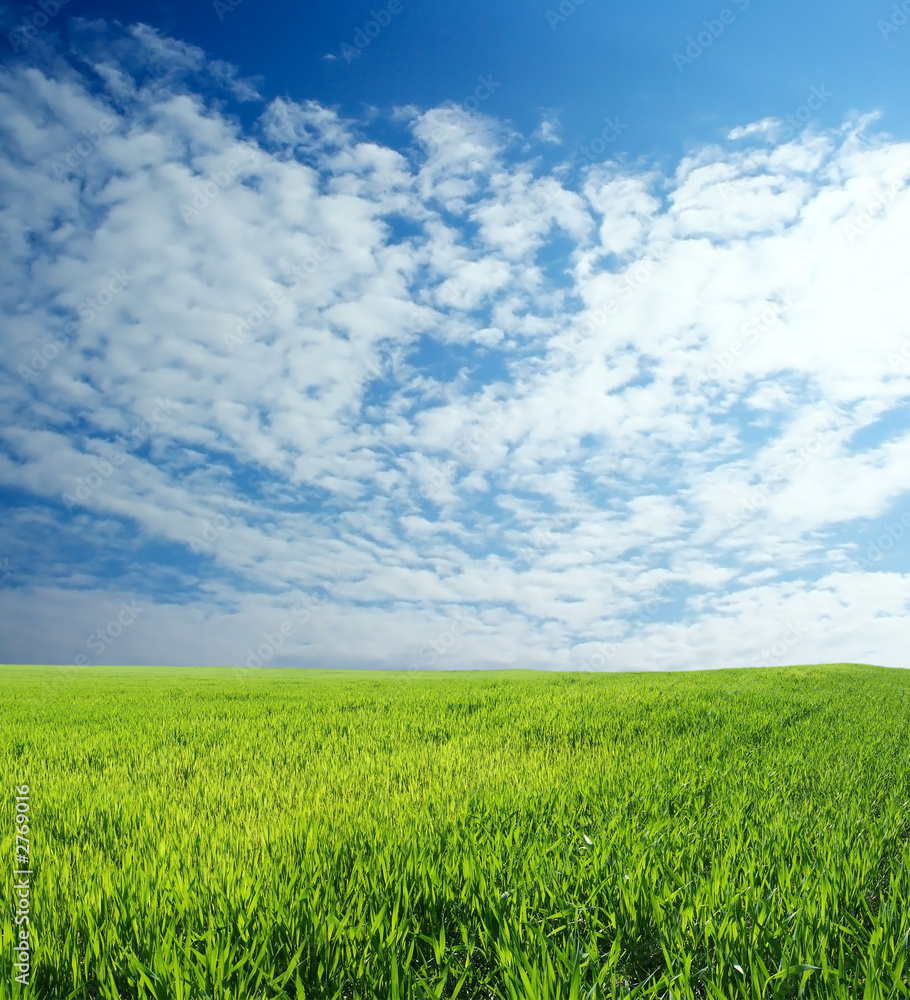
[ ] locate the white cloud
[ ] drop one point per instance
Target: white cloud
(377, 365)
(548, 130)
(770, 128)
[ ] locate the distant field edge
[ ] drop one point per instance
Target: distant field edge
(173, 670)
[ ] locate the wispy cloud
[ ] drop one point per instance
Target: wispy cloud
(548, 130)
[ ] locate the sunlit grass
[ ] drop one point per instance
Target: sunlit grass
(239, 834)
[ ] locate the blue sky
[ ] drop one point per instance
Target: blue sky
(534, 335)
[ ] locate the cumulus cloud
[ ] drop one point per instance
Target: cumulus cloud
(311, 400)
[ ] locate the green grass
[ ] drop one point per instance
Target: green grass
(239, 834)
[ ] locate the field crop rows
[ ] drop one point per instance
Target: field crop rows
(509, 835)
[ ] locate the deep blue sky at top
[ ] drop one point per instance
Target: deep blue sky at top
(606, 59)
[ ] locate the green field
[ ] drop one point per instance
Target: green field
(218, 833)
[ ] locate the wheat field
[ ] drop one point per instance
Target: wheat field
(215, 833)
